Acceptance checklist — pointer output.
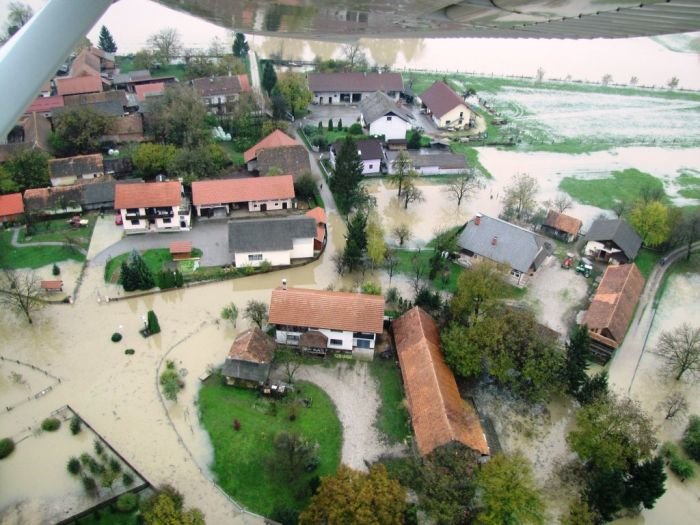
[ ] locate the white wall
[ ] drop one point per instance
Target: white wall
(303, 248)
(347, 341)
(371, 166)
(436, 170)
(271, 204)
(451, 118)
(275, 258)
(391, 126)
(208, 206)
(159, 225)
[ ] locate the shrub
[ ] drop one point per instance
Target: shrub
(340, 124)
(320, 142)
(265, 266)
(355, 129)
(99, 448)
(330, 124)
(115, 465)
(75, 425)
(127, 479)
(116, 337)
(129, 351)
(7, 446)
(371, 288)
(127, 502)
(285, 515)
(153, 325)
(171, 382)
(74, 466)
(85, 459)
(56, 270)
(682, 467)
(89, 485)
(691, 438)
(50, 424)
(236, 425)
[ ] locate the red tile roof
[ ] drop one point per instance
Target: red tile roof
(148, 89)
(11, 204)
(52, 285)
(327, 309)
(254, 346)
(152, 194)
(77, 85)
(179, 247)
(242, 190)
(438, 413)
(563, 222)
(208, 86)
(439, 99)
(45, 104)
(319, 214)
(276, 139)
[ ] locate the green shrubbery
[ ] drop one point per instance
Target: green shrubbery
(153, 326)
(127, 502)
(170, 279)
(171, 382)
(75, 425)
(691, 438)
(679, 465)
(7, 446)
(74, 466)
(116, 337)
(50, 424)
(355, 129)
(129, 351)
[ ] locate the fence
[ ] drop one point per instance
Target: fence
(41, 393)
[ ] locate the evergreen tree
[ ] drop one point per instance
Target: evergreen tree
(140, 273)
(126, 278)
(240, 46)
(577, 351)
(356, 241)
(347, 176)
(269, 78)
(153, 326)
(106, 42)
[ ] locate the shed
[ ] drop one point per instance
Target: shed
(52, 286)
(249, 359)
(181, 250)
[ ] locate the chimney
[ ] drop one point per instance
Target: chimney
(284, 284)
(494, 241)
(477, 219)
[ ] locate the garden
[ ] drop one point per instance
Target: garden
(321, 137)
(270, 453)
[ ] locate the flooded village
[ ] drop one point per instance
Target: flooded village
(345, 277)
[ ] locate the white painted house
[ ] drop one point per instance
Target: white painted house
(213, 198)
(380, 115)
(153, 206)
(446, 108)
(277, 240)
(371, 155)
(323, 320)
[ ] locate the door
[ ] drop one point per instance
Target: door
(263, 207)
(284, 205)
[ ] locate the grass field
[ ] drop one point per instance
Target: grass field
(33, 257)
(689, 180)
(235, 155)
(154, 260)
(242, 459)
(126, 65)
(392, 417)
(406, 266)
(604, 193)
(646, 260)
(58, 230)
(472, 158)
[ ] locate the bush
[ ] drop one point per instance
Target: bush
(127, 479)
(75, 425)
(7, 446)
(50, 424)
(355, 129)
(116, 337)
(89, 485)
(682, 467)
(414, 140)
(340, 124)
(153, 326)
(691, 438)
(320, 142)
(99, 447)
(56, 270)
(371, 288)
(114, 465)
(265, 266)
(74, 466)
(330, 124)
(285, 515)
(129, 351)
(127, 502)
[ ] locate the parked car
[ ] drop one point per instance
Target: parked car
(118, 219)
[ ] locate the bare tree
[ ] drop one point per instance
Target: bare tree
(291, 365)
(391, 261)
(402, 233)
(19, 14)
(673, 83)
(560, 203)
(681, 349)
(338, 263)
(634, 81)
(540, 75)
(519, 198)
(607, 79)
(411, 193)
(674, 404)
(217, 47)
(620, 207)
(355, 57)
(464, 185)
(166, 44)
(417, 272)
(401, 170)
(20, 291)
(256, 312)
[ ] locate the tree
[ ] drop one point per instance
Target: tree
(20, 291)
(691, 438)
(78, 131)
(293, 454)
(106, 42)
(391, 261)
(634, 81)
(205, 160)
(356, 241)
(580, 513)
(593, 388)
(560, 203)
(180, 118)
(347, 175)
(462, 353)
(507, 492)
(401, 170)
(294, 89)
(402, 233)
(359, 498)
(171, 382)
(305, 186)
(680, 348)
(650, 220)
(464, 185)
(240, 46)
(256, 312)
(376, 247)
(152, 321)
(411, 193)
(167, 507)
(269, 77)
(414, 139)
(280, 106)
(539, 77)
(230, 313)
(673, 83)
(355, 58)
(135, 274)
(28, 168)
(519, 198)
(478, 289)
(19, 14)
(675, 403)
(144, 59)
(577, 355)
(607, 79)
(165, 44)
(153, 159)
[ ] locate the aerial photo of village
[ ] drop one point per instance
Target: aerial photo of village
(253, 279)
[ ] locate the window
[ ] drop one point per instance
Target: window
(255, 257)
(135, 222)
(336, 342)
(388, 118)
(371, 166)
(363, 343)
(447, 122)
(167, 220)
(292, 338)
(132, 211)
(461, 114)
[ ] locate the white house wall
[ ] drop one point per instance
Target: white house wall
(395, 128)
(333, 97)
(159, 225)
(303, 248)
(452, 117)
(370, 167)
(346, 340)
(275, 258)
(277, 204)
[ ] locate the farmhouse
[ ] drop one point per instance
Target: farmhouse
(216, 198)
(153, 206)
(561, 226)
(350, 322)
(276, 240)
(612, 241)
(382, 116)
(370, 151)
(438, 413)
(32, 132)
(51, 201)
(11, 207)
(499, 241)
(218, 92)
(249, 359)
(277, 150)
(78, 85)
(445, 107)
(612, 308)
(351, 88)
(67, 171)
(437, 163)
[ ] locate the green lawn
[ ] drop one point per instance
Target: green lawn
(241, 459)
(154, 260)
(406, 266)
(690, 182)
(33, 257)
(58, 230)
(646, 260)
(126, 65)
(472, 157)
(235, 155)
(392, 417)
(604, 193)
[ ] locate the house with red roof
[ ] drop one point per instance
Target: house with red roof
(218, 92)
(78, 85)
(153, 206)
(319, 215)
(45, 105)
(11, 207)
(276, 139)
(445, 107)
(146, 90)
(217, 198)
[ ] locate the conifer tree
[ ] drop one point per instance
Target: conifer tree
(347, 175)
(106, 42)
(240, 46)
(269, 79)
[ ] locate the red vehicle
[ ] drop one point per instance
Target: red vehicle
(568, 261)
(118, 219)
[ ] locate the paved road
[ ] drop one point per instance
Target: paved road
(255, 78)
(17, 244)
(626, 358)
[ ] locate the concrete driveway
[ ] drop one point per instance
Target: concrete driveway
(211, 237)
(321, 113)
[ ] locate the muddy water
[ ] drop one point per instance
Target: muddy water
(19, 384)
